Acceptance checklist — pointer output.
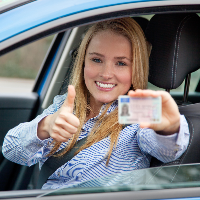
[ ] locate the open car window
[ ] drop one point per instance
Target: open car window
(19, 68)
(158, 178)
(26, 67)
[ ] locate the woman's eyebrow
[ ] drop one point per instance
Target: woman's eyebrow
(95, 53)
(118, 57)
(123, 57)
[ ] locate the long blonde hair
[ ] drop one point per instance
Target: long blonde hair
(107, 124)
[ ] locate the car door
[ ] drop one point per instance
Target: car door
(18, 107)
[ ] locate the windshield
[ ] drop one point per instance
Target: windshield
(164, 177)
(7, 2)
(6, 5)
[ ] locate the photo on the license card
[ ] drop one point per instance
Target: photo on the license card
(136, 109)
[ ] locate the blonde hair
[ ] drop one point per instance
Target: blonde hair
(107, 124)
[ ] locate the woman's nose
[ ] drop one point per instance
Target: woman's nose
(106, 71)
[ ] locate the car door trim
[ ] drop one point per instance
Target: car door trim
(14, 5)
(88, 17)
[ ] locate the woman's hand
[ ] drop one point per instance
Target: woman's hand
(62, 124)
(170, 121)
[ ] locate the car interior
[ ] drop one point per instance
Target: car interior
(176, 48)
(175, 40)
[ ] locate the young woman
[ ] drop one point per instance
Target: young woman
(112, 60)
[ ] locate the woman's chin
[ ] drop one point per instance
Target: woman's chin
(107, 100)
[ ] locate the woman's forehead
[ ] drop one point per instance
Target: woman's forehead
(110, 40)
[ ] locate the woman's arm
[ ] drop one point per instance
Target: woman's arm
(22, 145)
(165, 148)
(30, 142)
(169, 139)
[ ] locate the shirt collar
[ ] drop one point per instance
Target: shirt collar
(87, 126)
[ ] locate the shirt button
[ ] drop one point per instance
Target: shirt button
(59, 174)
(176, 150)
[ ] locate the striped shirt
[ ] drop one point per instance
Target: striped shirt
(134, 149)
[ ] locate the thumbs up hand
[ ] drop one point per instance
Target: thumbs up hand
(62, 124)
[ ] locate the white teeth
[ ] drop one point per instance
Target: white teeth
(105, 85)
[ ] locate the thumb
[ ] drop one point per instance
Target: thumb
(69, 102)
(145, 125)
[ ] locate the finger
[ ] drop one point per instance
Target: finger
(65, 134)
(69, 102)
(60, 134)
(59, 138)
(155, 127)
(66, 126)
(166, 97)
(145, 125)
(69, 128)
(68, 118)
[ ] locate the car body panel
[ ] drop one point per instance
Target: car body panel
(11, 38)
(6, 5)
(54, 10)
(31, 20)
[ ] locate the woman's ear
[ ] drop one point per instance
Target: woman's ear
(132, 88)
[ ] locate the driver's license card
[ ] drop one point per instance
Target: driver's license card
(136, 110)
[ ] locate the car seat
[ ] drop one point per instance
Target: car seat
(175, 54)
(143, 22)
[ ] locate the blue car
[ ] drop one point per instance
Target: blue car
(38, 44)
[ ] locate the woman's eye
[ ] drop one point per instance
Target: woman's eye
(121, 63)
(97, 60)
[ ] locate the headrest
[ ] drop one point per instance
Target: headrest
(143, 22)
(175, 40)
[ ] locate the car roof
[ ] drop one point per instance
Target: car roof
(39, 12)
(32, 14)
(6, 5)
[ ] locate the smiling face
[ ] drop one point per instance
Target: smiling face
(108, 67)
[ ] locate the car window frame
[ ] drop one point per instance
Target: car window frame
(13, 5)
(92, 16)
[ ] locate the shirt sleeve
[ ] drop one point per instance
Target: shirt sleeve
(165, 148)
(21, 144)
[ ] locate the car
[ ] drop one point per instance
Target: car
(45, 35)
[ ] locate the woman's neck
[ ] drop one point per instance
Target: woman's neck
(95, 108)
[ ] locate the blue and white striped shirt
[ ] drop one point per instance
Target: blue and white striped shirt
(133, 151)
